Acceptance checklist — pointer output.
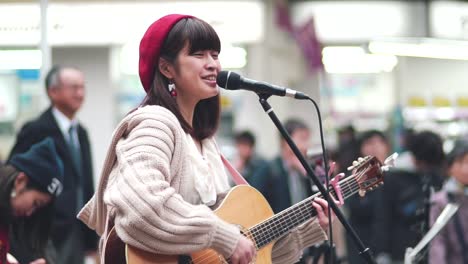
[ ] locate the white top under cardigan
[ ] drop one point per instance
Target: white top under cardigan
(209, 176)
(145, 187)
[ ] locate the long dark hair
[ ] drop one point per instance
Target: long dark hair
(31, 232)
(199, 35)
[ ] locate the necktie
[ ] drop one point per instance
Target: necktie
(75, 154)
(74, 148)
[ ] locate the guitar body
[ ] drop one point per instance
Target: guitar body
(243, 206)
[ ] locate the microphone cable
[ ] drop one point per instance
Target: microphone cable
(327, 180)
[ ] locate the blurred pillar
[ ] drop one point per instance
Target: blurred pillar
(44, 43)
(276, 59)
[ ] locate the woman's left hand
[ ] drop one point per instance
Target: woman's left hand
(321, 206)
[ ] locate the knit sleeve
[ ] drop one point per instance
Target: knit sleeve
(289, 248)
(149, 213)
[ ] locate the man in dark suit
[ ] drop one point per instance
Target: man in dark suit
(284, 181)
(65, 88)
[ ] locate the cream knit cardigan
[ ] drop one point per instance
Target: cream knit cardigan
(141, 192)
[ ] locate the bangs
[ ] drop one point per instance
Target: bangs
(196, 33)
(201, 36)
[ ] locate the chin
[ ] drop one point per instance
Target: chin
(210, 95)
(215, 92)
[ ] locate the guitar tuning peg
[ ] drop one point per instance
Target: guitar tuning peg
(360, 159)
(390, 161)
(350, 168)
(355, 163)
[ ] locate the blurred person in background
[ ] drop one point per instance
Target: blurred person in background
(247, 162)
(405, 158)
(450, 245)
(65, 87)
(29, 184)
(402, 212)
(360, 210)
(348, 148)
(284, 181)
(164, 154)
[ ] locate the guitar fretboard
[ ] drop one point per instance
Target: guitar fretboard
(288, 219)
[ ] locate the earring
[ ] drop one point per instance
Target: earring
(13, 194)
(171, 88)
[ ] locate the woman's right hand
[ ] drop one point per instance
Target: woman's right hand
(244, 252)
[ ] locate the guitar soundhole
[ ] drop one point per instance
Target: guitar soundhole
(184, 259)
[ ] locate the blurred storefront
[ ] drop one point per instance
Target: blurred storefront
(360, 86)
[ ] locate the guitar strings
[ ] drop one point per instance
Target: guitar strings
(282, 220)
(281, 216)
(348, 187)
(209, 256)
(268, 224)
(203, 258)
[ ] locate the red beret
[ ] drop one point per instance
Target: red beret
(150, 46)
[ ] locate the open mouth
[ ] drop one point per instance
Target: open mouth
(211, 80)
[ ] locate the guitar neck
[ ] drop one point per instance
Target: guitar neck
(288, 219)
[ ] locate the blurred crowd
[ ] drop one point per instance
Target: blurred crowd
(392, 217)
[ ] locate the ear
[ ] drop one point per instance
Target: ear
(21, 182)
(166, 68)
(52, 92)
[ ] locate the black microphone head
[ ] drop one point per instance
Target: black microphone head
(228, 80)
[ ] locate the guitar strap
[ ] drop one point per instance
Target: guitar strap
(236, 176)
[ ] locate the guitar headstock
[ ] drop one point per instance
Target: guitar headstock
(368, 172)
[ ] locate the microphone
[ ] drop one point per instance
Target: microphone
(232, 81)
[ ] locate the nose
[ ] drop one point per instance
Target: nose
(80, 91)
(211, 62)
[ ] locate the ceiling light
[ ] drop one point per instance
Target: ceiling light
(353, 59)
(233, 57)
(20, 59)
(427, 48)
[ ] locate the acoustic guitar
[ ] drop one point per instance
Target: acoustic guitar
(245, 207)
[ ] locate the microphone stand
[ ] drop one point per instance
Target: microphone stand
(365, 252)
